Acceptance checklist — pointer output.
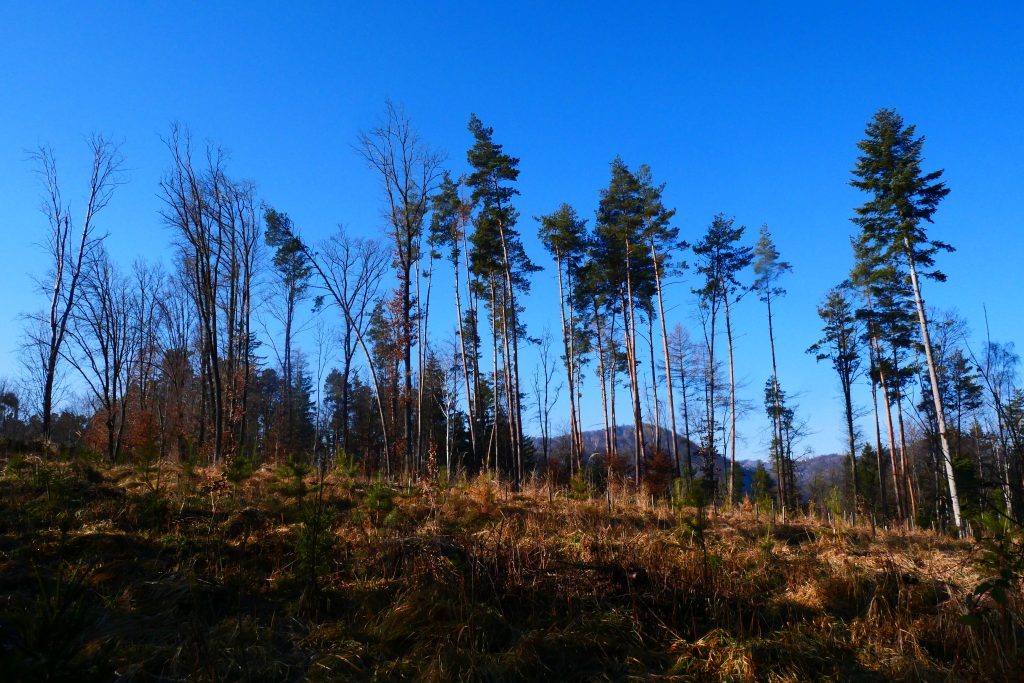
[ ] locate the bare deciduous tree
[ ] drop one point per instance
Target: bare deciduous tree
(70, 251)
(105, 341)
(409, 172)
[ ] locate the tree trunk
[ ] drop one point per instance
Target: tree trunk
(470, 405)
(654, 385)
(640, 442)
(668, 364)
(892, 437)
(904, 462)
(732, 405)
(785, 496)
(602, 375)
(933, 377)
(575, 452)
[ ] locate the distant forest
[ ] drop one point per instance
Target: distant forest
(177, 366)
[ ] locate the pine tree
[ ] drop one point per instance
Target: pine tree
(501, 263)
(720, 258)
(768, 268)
(293, 275)
(840, 345)
(625, 277)
(893, 222)
(564, 235)
(449, 218)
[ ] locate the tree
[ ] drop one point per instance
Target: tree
(623, 278)
(663, 240)
(218, 231)
(840, 345)
(545, 393)
(349, 270)
(409, 171)
(564, 235)
(720, 258)
(762, 486)
(105, 341)
(686, 365)
(501, 265)
(903, 199)
(887, 320)
(70, 255)
(449, 217)
(768, 268)
(293, 273)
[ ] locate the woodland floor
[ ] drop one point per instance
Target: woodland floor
(165, 575)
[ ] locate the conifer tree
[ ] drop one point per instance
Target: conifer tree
(564, 235)
(501, 263)
(449, 218)
(720, 258)
(840, 345)
(903, 200)
(625, 277)
(293, 275)
(769, 267)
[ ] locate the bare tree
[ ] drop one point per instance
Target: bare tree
(70, 251)
(218, 233)
(546, 393)
(105, 341)
(409, 171)
(350, 271)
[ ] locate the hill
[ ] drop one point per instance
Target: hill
(203, 575)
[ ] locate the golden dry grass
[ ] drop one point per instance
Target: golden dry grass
(159, 575)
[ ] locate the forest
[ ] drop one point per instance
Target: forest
(276, 427)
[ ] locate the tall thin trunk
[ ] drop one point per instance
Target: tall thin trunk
(602, 374)
(878, 447)
(732, 405)
(654, 385)
(515, 404)
(471, 413)
(888, 420)
(640, 441)
(612, 371)
(405, 276)
(686, 418)
(494, 427)
(423, 319)
(904, 461)
(784, 493)
(709, 397)
(567, 341)
(576, 385)
(940, 415)
(848, 404)
(512, 426)
(668, 364)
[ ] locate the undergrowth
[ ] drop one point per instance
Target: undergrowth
(300, 574)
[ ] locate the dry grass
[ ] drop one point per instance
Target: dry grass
(117, 574)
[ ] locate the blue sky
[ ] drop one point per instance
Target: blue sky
(749, 109)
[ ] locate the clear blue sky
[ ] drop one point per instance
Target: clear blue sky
(750, 109)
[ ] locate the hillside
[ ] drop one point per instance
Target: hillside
(170, 574)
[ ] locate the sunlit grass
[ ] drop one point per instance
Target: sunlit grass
(174, 575)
